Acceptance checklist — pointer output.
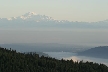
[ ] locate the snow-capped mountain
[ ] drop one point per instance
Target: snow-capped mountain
(33, 20)
(32, 16)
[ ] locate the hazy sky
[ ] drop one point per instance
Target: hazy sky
(73, 10)
(85, 38)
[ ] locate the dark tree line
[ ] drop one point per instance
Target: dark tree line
(12, 61)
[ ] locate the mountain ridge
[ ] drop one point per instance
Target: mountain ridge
(32, 20)
(29, 15)
(98, 52)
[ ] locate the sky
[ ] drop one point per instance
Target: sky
(72, 10)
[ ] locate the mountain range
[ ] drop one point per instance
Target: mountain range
(32, 20)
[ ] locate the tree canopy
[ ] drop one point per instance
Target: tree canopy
(12, 61)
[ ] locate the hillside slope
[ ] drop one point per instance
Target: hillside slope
(12, 61)
(99, 52)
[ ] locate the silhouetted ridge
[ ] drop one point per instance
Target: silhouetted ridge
(100, 52)
(12, 61)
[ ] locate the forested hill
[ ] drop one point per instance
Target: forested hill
(12, 61)
(99, 52)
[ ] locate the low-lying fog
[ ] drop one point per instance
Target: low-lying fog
(75, 57)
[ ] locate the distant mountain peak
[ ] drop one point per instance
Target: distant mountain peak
(30, 14)
(33, 16)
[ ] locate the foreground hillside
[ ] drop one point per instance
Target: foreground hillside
(98, 52)
(12, 61)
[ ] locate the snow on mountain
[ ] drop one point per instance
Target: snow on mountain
(33, 20)
(32, 16)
